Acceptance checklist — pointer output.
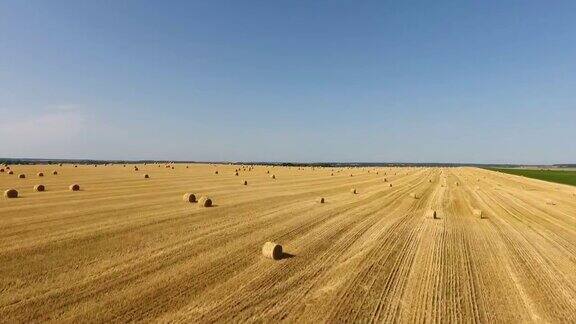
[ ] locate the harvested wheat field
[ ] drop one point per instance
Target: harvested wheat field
(125, 248)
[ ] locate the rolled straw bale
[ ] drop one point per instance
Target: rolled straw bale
(189, 197)
(431, 214)
(477, 212)
(11, 193)
(272, 251)
(205, 202)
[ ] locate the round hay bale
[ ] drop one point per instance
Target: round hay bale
(205, 202)
(74, 187)
(353, 191)
(39, 188)
(11, 193)
(236, 173)
(60, 164)
(457, 183)
(172, 168)
(385, 180)
(550, 202)
(215, 172)
(40, 174)
(21, 176)
(10, 172)
(75, 166)
(430, 180)
(55, 172)
(477, 213)
(431, 214)
(331, 174)
(146, 176)
(272, 251)
(245, 182)
(136, 169)
(414, 195)
(390, 185)
(321, 200)
(1, 170)
(272, 176)
(189, 197)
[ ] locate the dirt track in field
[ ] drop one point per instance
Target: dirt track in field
(128, 248)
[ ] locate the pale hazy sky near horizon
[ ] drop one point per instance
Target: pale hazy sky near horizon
(373, 81)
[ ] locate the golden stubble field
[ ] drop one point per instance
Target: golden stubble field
(126, 248)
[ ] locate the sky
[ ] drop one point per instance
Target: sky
(301, 81)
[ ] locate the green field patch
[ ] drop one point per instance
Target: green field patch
(558, 176)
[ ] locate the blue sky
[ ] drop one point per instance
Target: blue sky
(410, 81)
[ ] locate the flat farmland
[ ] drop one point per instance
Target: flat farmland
(552, 175)
(127, 248)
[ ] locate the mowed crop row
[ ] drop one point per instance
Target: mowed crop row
(126, 247)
